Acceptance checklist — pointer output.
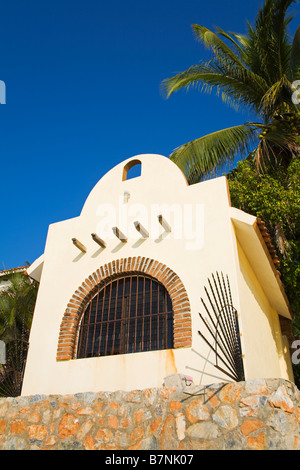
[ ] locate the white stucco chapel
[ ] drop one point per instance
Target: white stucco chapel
(155, 277)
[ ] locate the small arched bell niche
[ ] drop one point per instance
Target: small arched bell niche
(132, 169)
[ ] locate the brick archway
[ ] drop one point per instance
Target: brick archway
(181, 306)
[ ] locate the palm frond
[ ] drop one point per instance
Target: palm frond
(190, 77)
(235, 39)
(222, 52)
(268, 50)
(17, 302)
(200, 158)
(277, 98)
(277, 147)
(237, 86)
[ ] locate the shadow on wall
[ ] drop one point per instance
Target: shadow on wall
(206, 362)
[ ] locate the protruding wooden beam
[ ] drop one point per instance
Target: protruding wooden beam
(141, 229)
(120, 235)
(79, 245)
(98, 240)
(164, 223)
(126, 196)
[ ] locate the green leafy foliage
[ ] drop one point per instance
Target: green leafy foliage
(17, 302)
(17, 305)
(275, 198)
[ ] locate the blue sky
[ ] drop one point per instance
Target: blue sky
(83, 93)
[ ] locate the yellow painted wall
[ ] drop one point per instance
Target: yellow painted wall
(259, 323)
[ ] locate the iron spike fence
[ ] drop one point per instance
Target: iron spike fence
(223, 334)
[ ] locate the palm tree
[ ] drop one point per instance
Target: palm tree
(17, 303)
(16, 306)
(256, 71)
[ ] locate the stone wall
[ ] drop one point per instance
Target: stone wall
(259, 414)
